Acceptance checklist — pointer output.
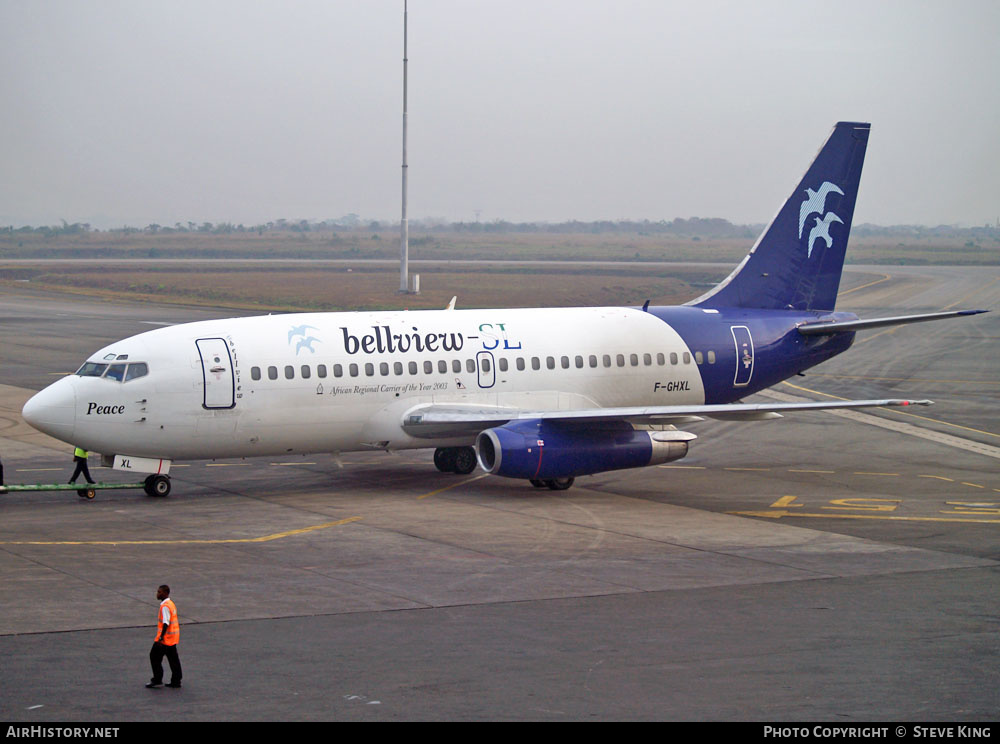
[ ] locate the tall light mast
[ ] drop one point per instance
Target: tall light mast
(404, 230)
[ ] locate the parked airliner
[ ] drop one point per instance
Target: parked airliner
(544, 395)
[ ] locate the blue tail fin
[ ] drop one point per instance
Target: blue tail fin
(797, 261)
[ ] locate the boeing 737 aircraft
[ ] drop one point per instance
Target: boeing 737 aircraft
(543, 395)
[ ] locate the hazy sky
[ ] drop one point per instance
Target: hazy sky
(248, 111)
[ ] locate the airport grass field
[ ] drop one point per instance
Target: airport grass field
(327, 270)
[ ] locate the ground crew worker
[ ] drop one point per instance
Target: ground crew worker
(168, 633)
(80, 456)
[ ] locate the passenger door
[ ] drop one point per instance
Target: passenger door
(217, 372)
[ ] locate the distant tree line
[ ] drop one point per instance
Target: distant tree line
(695, 227)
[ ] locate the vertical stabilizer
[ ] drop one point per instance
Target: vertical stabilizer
(797, 261)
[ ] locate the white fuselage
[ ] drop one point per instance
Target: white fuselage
(328, 382)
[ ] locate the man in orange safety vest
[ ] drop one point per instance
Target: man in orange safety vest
(168, 633)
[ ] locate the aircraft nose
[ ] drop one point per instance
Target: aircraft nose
(53, 410)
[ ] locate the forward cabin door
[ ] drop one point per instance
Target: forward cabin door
(217, 372)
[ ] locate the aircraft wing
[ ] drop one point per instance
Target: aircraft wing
(437, 420)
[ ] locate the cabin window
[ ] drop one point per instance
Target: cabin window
(397, 368)
(470, 365)
(673, 357)
(536, 363)
(306, 371)
(607, 360)
(412, 368)
(428, 367)
(272, 373)
(369, 369)
(502, 363)
(687, 358)
(593, 361)
(289, 372)
(255, 373)
(139, 369)
(338, 370)
(647, 359)
(383, 369)
(442, 366)
(92, 369)
(550, 362)
(633, 359)
(621, 360)
(564, 361)
(321, 370)
(352, 369)
(520, 364)
(660, 359)
(711, 357)
(698, 359)
(456, 365)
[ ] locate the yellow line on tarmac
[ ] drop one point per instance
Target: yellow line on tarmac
(224, 541)
(902, 379)
(885, 278)
(453, 485)
(960, 300)
(896, 410)
(780, 514)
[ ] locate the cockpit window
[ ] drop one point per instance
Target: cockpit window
(92, 369)
(118, 372)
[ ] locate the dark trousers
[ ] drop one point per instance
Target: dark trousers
(81, 467)
(156, 655)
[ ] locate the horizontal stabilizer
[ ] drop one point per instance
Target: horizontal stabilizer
(821, 328)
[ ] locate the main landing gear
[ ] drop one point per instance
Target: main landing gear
(461, 460)
(556, 484)
(157, 485)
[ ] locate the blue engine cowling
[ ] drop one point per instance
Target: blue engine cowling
(541, 450)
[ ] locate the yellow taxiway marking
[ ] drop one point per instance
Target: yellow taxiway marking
(784, 502)
(758, 470)
(938, 477)
(861, 472)
(287, 464)
(903, 379)
(453, 485)
(960, 300)
(828, 472)
(682, 467)
(885, 278)
(222, 464)
(865, 504)
(38, 470)
(220, 541)
(896, 410)
(779, 514)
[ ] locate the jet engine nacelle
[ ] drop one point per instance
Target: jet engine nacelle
(540, 450)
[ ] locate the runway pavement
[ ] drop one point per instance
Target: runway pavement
(820, 567)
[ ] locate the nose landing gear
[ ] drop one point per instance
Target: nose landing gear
(157, 485)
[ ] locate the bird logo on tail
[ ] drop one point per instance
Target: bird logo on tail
(815, 203)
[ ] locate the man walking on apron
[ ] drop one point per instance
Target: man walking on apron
(168, 633)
